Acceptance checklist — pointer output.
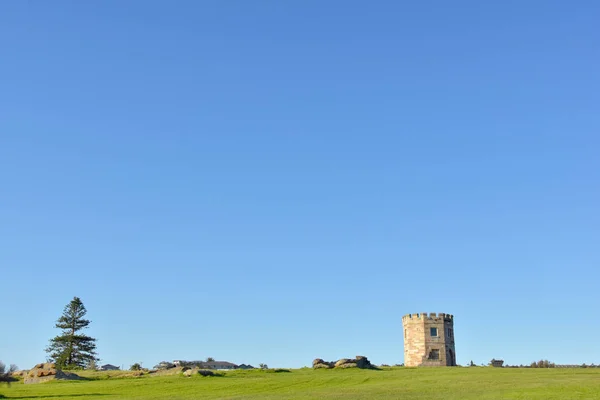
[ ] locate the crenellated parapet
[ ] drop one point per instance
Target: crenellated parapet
(423, 316)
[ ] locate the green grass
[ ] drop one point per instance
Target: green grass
(389, 383)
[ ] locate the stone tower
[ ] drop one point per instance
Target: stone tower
(429, 340)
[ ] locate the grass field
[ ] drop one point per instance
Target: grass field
(391, 383)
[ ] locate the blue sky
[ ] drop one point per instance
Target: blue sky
(276, 181)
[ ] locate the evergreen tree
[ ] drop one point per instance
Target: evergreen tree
(72, 349)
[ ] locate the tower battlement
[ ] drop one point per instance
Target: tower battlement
(444, 316)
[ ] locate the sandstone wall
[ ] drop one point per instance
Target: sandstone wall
(420, 345)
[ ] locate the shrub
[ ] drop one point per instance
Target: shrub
(542, 364)
(136, 367)
(205, 372)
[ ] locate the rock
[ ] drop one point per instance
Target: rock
(341, 361)
(363, 362)
(45, 372)
(320, 363)
(358, 362)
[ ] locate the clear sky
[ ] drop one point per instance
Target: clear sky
(274, 181)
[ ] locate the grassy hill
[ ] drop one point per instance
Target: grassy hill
(390, 383)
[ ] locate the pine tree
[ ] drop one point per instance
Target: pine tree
(72, 349)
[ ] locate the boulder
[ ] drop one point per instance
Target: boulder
(318, 361)
(45, 372)
(363, 362)
(358, 362)
(341, 362)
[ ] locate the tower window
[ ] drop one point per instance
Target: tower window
(433, 332)
(434, 354)
(449, 332)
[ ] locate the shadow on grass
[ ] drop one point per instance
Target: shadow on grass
(56, 396)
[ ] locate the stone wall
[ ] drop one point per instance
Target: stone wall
(423, 349)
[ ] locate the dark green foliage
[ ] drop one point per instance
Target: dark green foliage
(72, 349)
(542, 364)
(210, 359)
(136, 367)
(204, 372)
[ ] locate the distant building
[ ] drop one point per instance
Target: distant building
(497, 363)
(164, 365)
(245, 366)
(109, 367)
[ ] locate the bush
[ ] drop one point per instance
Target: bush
(542, 364)
(205, 372)
(136, 367)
